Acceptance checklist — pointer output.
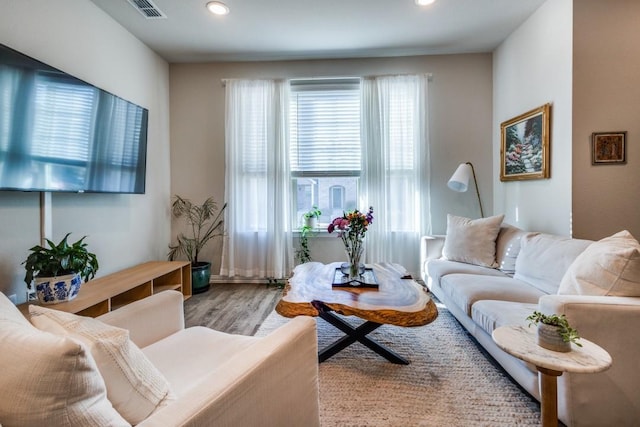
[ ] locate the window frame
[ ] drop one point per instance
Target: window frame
(324, 84)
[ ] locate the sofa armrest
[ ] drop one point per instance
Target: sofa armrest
(430, 248)
(149, 319)
(273, 382)
(613, 324)
(599, 319)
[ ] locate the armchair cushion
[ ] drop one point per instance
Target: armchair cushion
(134, 386)
(472, 241)
(208, 349)
(608, 267)
(48, 379)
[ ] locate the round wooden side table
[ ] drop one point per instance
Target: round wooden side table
(521, 342)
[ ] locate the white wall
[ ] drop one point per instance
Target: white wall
(532, 67)
(460, 103)
(123, 230)
(606, 97)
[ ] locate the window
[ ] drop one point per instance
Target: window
(337, 197)
(325, 146)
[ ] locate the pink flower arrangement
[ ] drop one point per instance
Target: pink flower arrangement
(353, 224)
(351, 228)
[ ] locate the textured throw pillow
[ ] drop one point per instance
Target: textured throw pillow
(472, 240)
(545, 258)
(48, 380)
(610, 266)
(134, 386)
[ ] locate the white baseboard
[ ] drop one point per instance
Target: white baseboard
(235, 279)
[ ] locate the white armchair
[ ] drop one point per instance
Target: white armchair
(215, 378)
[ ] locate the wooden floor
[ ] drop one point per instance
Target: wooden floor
(234, 308)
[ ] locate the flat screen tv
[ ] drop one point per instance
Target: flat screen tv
(59, 133)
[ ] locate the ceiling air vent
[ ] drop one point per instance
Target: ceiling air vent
(147, 9)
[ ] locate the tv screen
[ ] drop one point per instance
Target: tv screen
(59, 133)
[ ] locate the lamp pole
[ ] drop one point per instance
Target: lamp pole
(477, 191)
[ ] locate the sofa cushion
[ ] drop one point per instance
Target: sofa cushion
(438, 268)
(545, 258)
(48, 379)
(472, 241)
(208, 350)
(508, 248)
(610, 266)
(491, 314)
(134, 386)
(465, 289)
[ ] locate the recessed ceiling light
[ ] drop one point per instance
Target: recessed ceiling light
(218, 8)
(424, 2)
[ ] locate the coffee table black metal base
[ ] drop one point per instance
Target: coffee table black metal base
(358, 334)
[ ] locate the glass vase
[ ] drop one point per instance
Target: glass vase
(354, 268)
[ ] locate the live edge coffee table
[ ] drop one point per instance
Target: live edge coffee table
(398, 300)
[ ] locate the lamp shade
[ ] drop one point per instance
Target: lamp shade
(459, 181)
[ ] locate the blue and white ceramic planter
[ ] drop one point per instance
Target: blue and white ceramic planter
(52, 290)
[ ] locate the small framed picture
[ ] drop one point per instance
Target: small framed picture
(608, 148)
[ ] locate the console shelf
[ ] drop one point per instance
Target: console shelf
(110, 292)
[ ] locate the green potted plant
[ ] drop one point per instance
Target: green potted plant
(204, 222)
(304, 253)
(554, 332)
(59, 270)
(310, 224)
(311, 217)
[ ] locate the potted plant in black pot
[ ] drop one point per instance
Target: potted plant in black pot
(59, 270)
(204, 222)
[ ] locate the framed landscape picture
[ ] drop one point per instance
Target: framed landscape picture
(608, 148)
(524, 148)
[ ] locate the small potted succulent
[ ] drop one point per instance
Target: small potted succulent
(554, 332)
(59, 270)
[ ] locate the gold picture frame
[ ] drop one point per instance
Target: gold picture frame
(524, 147)
(608, 148)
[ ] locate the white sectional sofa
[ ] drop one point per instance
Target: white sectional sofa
(553, 274)
(73, 371)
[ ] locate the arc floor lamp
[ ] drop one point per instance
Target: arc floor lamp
(459, 181)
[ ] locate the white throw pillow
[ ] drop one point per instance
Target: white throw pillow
(545, 258)
(135, 387)
(48, 380)
(610, 266)
(472, 240)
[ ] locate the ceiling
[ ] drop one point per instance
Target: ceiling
(257, 30)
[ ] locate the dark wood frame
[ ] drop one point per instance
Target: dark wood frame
(608, 148)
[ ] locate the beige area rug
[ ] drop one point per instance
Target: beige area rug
(448, 383)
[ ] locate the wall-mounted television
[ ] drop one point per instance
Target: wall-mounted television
(59, 133)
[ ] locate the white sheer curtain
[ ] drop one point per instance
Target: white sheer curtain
(259, 238)
(395, 170)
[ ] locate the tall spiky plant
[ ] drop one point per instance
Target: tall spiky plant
(205, 222)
